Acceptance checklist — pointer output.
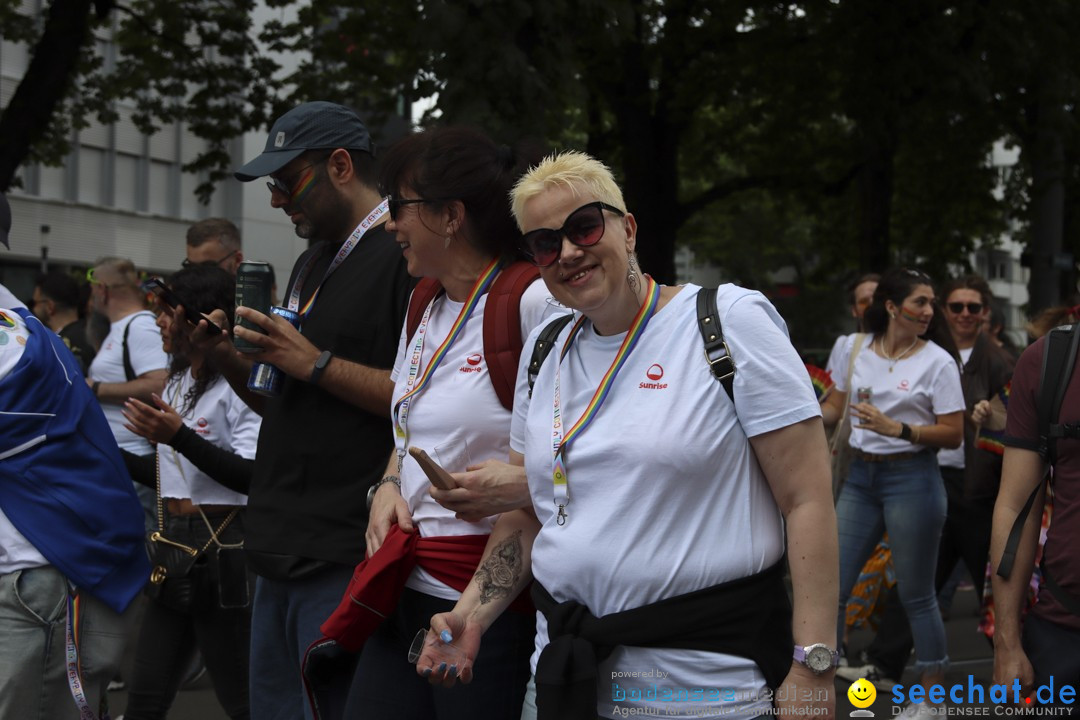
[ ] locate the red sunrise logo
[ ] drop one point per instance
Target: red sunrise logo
(474, 359)
(655, 372)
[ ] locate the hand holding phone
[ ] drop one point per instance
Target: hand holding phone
(435, 473)
(169, 299)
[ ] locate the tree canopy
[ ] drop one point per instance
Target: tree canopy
(828, 136)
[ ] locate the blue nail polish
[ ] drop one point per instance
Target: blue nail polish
(442, 667)
(453, 671)
(446, 637)
(426, 672)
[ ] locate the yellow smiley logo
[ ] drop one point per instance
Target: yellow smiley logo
(862, 693)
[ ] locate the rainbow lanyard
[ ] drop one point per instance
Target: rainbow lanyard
(559, 444)
(347, 247)
(414, 386)
(74, 666)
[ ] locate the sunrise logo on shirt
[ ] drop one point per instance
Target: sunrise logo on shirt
(472, 364)
(654, 373)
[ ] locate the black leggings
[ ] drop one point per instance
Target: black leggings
(168, 637)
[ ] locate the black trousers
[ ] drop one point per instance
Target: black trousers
(387, 686)
(965, 537)
(168, 637)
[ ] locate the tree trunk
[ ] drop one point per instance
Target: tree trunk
(875, 188)
(1047, 205)
(55, 59)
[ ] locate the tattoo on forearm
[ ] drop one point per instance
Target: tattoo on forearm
(501, 571)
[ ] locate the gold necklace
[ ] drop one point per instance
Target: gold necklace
(894, 360)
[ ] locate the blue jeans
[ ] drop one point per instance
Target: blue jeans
(905, 498)
(33, 668)
(285, 620)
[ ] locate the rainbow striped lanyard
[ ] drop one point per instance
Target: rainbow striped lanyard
(417, 382)
(72, 636)
(346, 248)
(559, 444)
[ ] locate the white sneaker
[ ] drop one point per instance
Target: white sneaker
(923, 711)
(872, 673)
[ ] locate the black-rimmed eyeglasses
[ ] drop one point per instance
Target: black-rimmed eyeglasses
(583, 227)
(187, 263)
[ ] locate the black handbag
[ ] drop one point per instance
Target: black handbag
(175, 568)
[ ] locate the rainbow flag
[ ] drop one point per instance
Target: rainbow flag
(821, 380)
(991, 440)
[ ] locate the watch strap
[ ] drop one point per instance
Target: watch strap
(320, 366)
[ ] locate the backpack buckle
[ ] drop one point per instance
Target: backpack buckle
(720, 361)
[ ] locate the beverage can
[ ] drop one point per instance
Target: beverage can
(254, 284)
(265, 379)
(864, 394)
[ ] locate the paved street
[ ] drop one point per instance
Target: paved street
(969, 650)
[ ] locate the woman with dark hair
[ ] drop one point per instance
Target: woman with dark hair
(448, 195)
(205, 438)
(908, 403)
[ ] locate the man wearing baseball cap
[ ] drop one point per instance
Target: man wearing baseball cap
(325, 439)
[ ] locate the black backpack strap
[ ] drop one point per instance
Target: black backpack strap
(1059, 356)
(717, 353)
(545, 342)
(129, 371)
(1056, 376)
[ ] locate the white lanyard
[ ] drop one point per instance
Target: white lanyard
(346, 248)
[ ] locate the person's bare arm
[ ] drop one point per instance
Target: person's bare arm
(795, 461)
(141, 388)
(1021, 472)
(946, 432)
(284, 347)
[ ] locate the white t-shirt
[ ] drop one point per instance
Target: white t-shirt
(666, 494)
(954, 457)
(146, 355)
(919, 389)
(16, 552)
(220, 417)
(459, 407)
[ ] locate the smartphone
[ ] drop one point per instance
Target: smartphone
(233, 585)
(436, 475)
(168, 298)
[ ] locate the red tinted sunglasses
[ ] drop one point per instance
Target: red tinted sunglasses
(583, 227)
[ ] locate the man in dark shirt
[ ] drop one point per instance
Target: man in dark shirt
(56, 304)
(326, 437)
(1047, 642)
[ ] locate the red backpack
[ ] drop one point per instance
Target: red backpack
(502, 323)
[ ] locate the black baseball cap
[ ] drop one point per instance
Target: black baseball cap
(316, 125)
(5, 220)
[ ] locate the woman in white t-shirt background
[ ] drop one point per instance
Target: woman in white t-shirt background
(206, 438)
(656, 536)
(448, 206)
(906, 402)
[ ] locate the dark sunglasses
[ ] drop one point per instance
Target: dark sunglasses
(186, 264)
(583, 227)
(395, 204)
(958, 307)
(287, 187)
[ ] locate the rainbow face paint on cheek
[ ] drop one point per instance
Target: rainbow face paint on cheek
(303, 187)
(908, 315)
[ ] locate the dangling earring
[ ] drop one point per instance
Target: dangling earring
(632, 274)
(446, 242)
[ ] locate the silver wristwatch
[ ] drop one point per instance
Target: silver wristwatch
(375, 488)
(819, 657)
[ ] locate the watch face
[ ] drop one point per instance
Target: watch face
(819, 658)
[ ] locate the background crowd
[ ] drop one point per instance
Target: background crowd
(616, 501)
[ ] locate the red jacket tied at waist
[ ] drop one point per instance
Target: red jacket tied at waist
(377, 582)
